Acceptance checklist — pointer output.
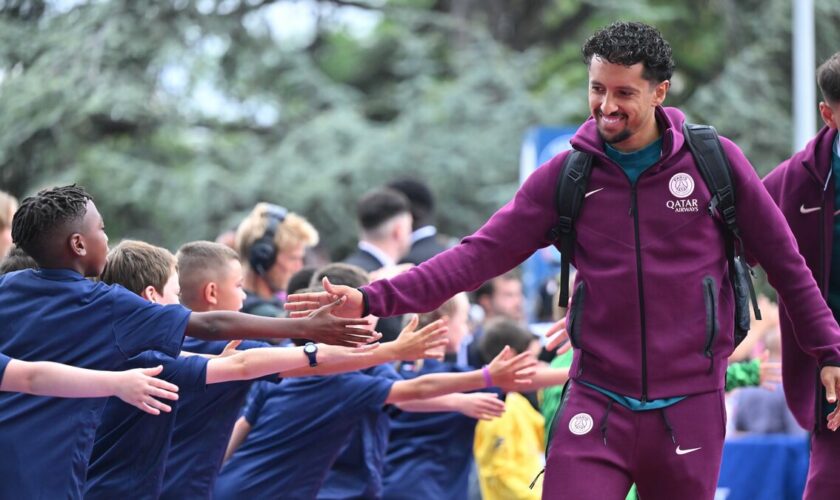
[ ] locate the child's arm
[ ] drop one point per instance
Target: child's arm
(505, 370)
(240, 431)
(545, 376)
(44, 378)
(256, 363)
(319, 326)
(477, 405)
(410, 345)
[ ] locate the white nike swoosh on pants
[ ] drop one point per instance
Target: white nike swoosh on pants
(683, 452)
(808, 210)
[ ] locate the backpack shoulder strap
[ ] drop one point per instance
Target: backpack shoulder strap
(571, 190)
(714, 167)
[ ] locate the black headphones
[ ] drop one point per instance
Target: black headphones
(263, 251)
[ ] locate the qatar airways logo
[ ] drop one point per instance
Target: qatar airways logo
(682, 185)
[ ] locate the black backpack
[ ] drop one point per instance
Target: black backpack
(714, 168)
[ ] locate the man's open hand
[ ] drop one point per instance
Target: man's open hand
(301, 305)
(324, 327)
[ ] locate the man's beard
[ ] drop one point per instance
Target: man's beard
(615, 139)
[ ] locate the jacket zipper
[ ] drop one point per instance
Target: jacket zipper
(823, 290)
(574, 323)
(634, 208)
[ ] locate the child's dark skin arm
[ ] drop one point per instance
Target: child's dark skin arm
(320, 326)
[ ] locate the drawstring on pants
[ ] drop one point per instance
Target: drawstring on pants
(603, 425)
(668, 425)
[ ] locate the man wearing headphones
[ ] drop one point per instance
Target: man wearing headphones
(271, 243)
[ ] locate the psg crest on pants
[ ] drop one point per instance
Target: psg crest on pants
(580, 424)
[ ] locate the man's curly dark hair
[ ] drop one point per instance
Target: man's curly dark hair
(630, 43)
(36, 221)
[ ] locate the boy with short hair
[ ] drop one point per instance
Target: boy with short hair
(55, 314)
(357, 471)
(130, 449)
(430, 456)
(291, 434)
(295, 431)
(211, 279)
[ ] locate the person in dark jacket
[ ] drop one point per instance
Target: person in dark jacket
(384, 218)
(425, 240)
(805, 187)
(652, 314)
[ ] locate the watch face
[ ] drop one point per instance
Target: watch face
(309, 348)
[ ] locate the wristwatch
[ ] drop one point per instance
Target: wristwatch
(311, 351)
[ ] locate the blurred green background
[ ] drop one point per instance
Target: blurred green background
(179, 115)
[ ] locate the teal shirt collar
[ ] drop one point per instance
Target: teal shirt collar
(636, 162)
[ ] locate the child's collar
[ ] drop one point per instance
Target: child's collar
(60, 274)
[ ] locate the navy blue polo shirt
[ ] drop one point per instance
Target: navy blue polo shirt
(57, 315)
(429, 454)
(4, 362)
(130, 449)
(202, 428)
(298, 427)
(357, 472)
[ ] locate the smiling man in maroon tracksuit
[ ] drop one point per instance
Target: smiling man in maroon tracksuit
(652, 315)
(806, 189)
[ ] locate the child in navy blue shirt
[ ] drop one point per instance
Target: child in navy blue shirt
(136, 387)
(430, 455)
(291, 433)
(55, 314)
(211, 279)
(130, 449)
(357, 471)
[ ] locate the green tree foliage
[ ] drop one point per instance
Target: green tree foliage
(179, 115)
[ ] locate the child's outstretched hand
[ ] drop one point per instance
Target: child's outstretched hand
(425, 343)
(481, 405)
(769, 372)
(324, 327)
(508, 371)
(140, 388)
(331, 354)
(557, 337)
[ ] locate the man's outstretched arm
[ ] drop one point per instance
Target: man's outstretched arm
(318, 326)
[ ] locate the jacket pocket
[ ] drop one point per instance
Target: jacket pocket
(711, 302)
(575, 315)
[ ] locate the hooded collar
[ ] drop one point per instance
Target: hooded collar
(816, 156)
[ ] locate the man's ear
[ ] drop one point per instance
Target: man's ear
(827, 115)
(211, 293)
(660, 92)
(77, 244)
